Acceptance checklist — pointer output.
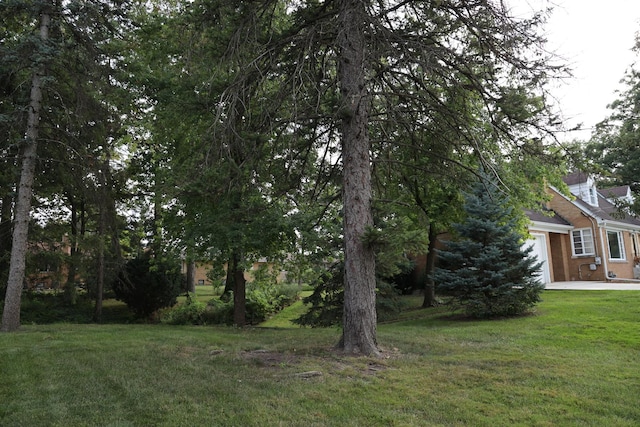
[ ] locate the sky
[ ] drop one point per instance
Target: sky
(594, 38)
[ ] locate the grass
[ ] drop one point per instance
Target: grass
(573, 363)
(283, 319)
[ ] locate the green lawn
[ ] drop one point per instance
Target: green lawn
(574, 363)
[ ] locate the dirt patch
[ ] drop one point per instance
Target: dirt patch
(270, 358)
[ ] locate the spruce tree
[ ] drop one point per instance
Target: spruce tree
(485, 269)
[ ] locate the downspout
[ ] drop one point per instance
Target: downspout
(595, 247)
(604, 258)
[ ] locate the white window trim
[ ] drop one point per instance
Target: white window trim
(582, 239)
(620, 238)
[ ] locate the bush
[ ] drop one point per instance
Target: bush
(327, 300)
(191, 312)
(147, 285)
(262, 301)
(51, 307)
(219, 312)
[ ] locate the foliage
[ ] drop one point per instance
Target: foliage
(51, 307)
(327, 300)
(147, 285)
(614, 148)
(451, 81)
(393, 239)
(262, 302)
(485, 270)
(191, 312)
(215, 173)
(215, 125)
(84, 105)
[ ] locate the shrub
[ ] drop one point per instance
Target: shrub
(262, 301)
(327, 300)
(191, 312)
(147, 285)
(219, 312)
(51, 307)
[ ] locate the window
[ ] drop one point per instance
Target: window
(582, 242)
(593, 197)
(616, 245)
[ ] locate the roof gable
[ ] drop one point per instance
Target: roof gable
(575, 178)
(616, 192)
(583, 186)
(607, 211)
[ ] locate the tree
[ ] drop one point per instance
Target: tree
(364, 69)
(359, 316)
(222, 182)
(81, 121)
(11, 313)
(484, 269)
(614, 147)
(147, 285)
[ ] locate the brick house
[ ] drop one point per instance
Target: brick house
(47, 267)
(202, 272)
(588, 236)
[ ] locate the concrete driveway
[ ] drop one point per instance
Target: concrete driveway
(595, 286)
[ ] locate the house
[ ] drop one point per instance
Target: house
(202, 272)
(47, 266)
(588, 235)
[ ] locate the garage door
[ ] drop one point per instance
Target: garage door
(539, 244)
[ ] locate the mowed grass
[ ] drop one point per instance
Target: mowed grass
(575, 362)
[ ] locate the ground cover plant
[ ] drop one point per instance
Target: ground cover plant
(573, 362)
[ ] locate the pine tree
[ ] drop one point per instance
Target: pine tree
(485, 269)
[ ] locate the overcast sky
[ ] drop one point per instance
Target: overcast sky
(595, 38)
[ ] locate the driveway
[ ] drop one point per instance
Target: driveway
(595, 286)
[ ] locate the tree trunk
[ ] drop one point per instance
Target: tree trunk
(107, 221)
(5, 239)
(70, 293)
(429, 286)
(5, 224)
(239, 291)
(97, 313)
(228, 281)
(11, 314)
(359, 315)
(191, 277)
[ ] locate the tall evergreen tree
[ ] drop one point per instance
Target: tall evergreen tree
(364, 69)
(485, 269)
(72, 117)
(11, 313)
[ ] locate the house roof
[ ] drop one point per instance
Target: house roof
(548, 220)
(575, 178)
(607, 211)
(615, 192)
(604, 212)
(547, 216)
